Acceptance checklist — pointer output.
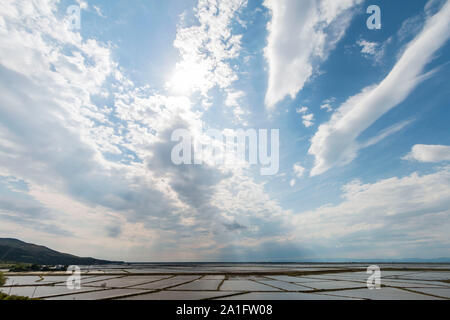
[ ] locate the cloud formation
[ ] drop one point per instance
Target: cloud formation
(206, 49)
(301, 34)
(335, 143)
(94, 148)
(388, 218)
(299, 170)
(429, 153)
(307, 118)
(373, 50)
(85, 152)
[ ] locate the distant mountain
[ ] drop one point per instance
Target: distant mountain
(13, 250)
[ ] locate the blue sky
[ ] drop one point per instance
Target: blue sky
(86, 117)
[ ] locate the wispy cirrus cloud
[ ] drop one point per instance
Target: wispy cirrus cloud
(335, 142)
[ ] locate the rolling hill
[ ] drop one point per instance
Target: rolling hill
(13, 250)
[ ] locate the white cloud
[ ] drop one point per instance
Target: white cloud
(368, 47)
(102, 174)
(432, 6)
(373, 50)
(327, 107)
(429, 153)
(83, 4)
(327, 104)
(206, 49)
(308, 118)
(292, 182)
(302, 110)
(411, 27)
(47, 89)
(391, 217)
(300, 33)
(139, 201)
(334, 144)
(386, 133)
(299, 170)
(99, 11)
(234, 100)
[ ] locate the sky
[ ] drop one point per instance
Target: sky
(89, 104)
